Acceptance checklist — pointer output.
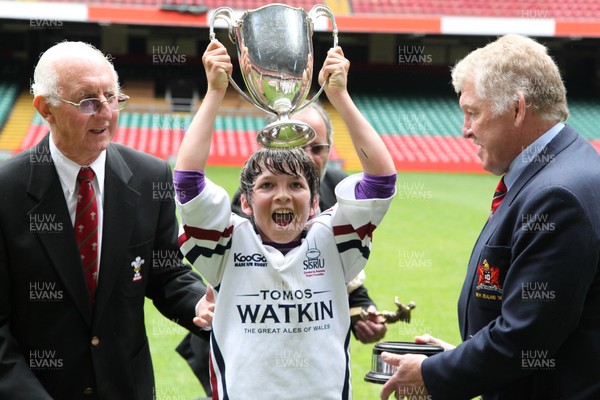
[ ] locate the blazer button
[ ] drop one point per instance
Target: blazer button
(88, 391)
(95, 342)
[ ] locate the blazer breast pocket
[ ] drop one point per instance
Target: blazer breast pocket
(492, 267)
(134, 275)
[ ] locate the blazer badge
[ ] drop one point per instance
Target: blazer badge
(137, 267)
(488, 277)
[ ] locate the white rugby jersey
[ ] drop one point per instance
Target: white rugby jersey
(281, 327)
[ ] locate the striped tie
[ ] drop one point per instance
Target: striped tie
(86, 229)
(499, 195)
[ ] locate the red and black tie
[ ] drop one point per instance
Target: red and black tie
(499, 195)
(86, 229)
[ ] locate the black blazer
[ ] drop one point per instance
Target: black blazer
(52, 344)
(529, 311)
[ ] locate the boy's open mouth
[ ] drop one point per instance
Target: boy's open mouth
(282, 217)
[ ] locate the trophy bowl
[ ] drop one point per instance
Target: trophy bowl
(382, 371)
(275, 52)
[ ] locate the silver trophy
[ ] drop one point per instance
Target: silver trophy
(381, 371)
(274, 45)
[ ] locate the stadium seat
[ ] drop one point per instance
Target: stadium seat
(423, 133)
(570, 9)
(8, 95)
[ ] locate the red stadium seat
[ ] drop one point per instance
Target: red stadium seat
(568, 9)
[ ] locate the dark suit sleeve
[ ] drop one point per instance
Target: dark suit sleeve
(176, 289)
(16, 379)
(360, 297)
(327, 197)
(553, 247)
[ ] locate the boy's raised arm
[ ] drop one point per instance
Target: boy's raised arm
(195, 147)
(374, 156)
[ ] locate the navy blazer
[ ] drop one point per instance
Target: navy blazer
(529, 310)
(52, 344)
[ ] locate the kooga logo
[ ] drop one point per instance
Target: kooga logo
(249, 260)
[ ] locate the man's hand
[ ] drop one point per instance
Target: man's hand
(205, 309)
(428, 339)
(372, 328)
(407, 379)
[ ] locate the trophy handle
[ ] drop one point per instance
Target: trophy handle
(322, 10)
(248, 98)
(317, 11)
(226, 14)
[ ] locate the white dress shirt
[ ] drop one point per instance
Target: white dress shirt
(67, 173)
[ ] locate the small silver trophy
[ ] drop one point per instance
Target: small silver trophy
(381, 371)
(275, 51)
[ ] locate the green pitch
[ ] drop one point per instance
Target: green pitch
(420, 253)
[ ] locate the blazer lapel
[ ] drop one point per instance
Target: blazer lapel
(44, 186)
(564, 138)
(120, 204)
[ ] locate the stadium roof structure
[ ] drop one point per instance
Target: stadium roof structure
(573, 18)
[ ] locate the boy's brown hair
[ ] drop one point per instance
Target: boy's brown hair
(294, 162)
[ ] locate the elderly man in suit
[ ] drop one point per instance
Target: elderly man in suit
(529, 310)
(87, 231)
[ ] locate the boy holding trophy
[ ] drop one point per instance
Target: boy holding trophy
(281, 313)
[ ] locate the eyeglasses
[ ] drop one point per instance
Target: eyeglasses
(317, 149)
(91, 106)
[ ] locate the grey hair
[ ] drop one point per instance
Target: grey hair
(317, 106)
(45, 77)
(324, 115)
(511, 65)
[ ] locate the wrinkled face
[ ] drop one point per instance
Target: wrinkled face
(280, 206)
(496, 136)
(80, 137)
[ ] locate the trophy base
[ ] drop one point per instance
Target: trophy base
(375, 377)
(381, 372)
(288, 134)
